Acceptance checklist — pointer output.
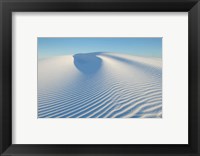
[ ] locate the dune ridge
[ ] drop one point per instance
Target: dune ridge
(100, 85)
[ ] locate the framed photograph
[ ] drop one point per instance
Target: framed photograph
(99, 77)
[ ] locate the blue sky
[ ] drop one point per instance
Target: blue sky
(49, 47)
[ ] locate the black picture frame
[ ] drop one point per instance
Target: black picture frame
(9, 6)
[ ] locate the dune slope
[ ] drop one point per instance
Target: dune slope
(100, 85)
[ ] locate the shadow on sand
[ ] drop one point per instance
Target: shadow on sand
(87, 63)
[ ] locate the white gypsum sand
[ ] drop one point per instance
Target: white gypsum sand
(100, 85)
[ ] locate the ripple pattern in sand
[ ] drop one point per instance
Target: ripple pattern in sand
(100, 85)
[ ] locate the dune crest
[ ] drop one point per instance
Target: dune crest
(100, 85)
(87, 63)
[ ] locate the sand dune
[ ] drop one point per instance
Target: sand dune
(100, 85)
